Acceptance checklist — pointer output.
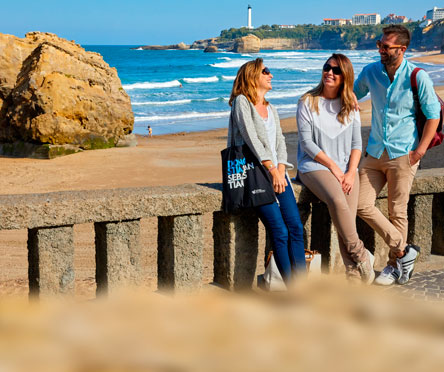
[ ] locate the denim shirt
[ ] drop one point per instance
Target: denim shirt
(393, 109)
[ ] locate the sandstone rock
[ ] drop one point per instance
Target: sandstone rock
(247, 44)
(211, 49)
(130, 140)
(60, 94)
(180, 46)
(183, 46)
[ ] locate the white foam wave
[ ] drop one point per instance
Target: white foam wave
(212, 79)
(229, 64)
(188, 115)
(289, 93)
(152, 85)
(178, 102)
(154, 103)
(284, 54)
(247, 55)
(225, 58)
(287, 107)
(228, 78)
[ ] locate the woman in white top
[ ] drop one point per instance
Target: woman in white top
(329, 150)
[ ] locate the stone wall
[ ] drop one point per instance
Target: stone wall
(116, 214)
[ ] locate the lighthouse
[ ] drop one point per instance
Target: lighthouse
(249, 18)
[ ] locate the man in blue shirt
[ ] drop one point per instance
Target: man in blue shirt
(394, 148)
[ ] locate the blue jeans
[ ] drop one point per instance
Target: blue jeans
(283, 223)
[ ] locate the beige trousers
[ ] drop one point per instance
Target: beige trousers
(398, 174)
(342, 209)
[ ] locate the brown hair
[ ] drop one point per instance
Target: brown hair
(246, 81)
(345, 91)
(402, 34)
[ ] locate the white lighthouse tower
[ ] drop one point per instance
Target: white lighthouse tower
(250, 27)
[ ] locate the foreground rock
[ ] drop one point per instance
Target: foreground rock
(247, 44)
(54, 93)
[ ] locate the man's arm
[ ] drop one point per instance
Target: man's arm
(360, 87)
(429, 131)
(431, 108)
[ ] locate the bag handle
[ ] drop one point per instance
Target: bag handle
(310, 254)
(231, 123)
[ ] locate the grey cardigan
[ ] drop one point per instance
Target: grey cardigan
(247, 126)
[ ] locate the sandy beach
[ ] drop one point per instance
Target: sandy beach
(160, 160)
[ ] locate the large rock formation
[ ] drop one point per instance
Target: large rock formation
(54, 92)
(180, 46)
(247, 44)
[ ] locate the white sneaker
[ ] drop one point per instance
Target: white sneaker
(366, 269)
(406, 264)
(388, 276)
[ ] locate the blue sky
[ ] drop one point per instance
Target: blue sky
(134, 22)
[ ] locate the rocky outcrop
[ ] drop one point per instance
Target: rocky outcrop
(54, 92)
(180, 46)
(247, 44)
(211, 49)
(429, 38)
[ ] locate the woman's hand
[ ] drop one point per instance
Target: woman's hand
(348, 182)
(337, 172)
(281, 169)
(279, 181)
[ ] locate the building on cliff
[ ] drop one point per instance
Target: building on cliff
(366, 19)
(394, 19)
(435, 14)
(337, 21)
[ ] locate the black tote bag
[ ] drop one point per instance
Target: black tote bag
(246, 183)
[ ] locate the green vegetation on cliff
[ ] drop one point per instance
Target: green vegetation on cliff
(342, 36)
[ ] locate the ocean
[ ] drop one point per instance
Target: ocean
(188, 90)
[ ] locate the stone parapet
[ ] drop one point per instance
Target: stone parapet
(50, 217)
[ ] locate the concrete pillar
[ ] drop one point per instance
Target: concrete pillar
(118, 251)
(51, 261)
(321, 233)
(235, 249)
(421, 224)
(180, 252)
(438, 224)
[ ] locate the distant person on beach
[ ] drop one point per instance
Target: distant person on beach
(150, 131)
(256, 123)
(394, 149)
(329, 150)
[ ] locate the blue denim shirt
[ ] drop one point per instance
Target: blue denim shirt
(393, 109)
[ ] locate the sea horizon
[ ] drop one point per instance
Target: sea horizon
(187, 90)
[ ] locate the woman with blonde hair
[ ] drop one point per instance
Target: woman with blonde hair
(255, 122)
(329, 150)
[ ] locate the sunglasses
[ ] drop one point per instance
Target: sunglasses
(380, 45)
(336, 69)
(266, 71)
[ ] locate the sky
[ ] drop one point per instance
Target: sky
(149, 22)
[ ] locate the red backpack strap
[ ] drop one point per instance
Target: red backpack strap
(414, 81)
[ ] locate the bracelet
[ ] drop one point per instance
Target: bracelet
(271, 168)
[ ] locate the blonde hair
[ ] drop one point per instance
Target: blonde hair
(246, 81)
(345, 91)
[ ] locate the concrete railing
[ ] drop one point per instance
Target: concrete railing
(116, 214)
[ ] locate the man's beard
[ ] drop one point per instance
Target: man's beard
(390, 59)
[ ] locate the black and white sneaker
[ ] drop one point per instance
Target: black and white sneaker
(388, 276)
(406, 263)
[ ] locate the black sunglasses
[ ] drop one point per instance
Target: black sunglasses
(266, 71)
(336, 69)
